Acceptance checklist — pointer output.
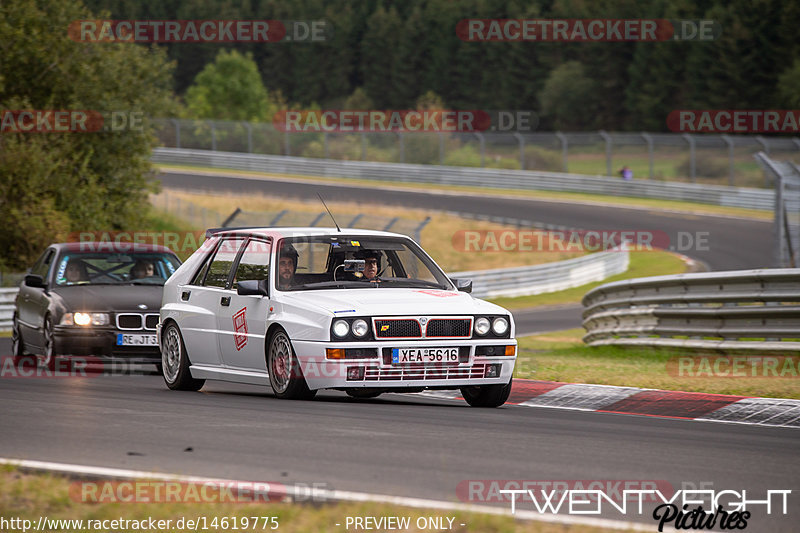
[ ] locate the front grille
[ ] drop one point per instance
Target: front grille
(449, 327)
(424, 373)
(386, 328)
(137, 321)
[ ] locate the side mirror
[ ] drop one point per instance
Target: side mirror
(464, 285)
(36, 281)
(252, 287)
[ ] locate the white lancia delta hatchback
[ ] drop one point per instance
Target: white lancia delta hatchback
(303, 309)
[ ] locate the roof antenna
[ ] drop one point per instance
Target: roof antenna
(329, 212)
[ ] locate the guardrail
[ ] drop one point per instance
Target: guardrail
(7, 307)
(550, 277)
(469, 176)
(743, 310)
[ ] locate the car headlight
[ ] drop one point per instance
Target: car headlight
(500, 326)
(482, 326)
(84, 319)
(360, 328)
(341, 328)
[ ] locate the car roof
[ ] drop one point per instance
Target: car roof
(283, 232)
(112, 247)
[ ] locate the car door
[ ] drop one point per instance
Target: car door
(242, 319)
(33, 303)
(201, 298)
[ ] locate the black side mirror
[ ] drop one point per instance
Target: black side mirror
(464, 285)
(252, 287)
(35, 280)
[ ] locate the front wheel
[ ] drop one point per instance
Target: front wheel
(175, 362)
(47, 359)
(487, 395)
(285, 374)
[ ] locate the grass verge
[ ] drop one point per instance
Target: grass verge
(30, 496)
(642, 264)
(582, 198)
(562, 356)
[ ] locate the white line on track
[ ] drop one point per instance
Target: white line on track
(73, 470)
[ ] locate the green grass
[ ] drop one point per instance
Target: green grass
(585, 198)
(562, 356)
(642, 264)
(30, 496)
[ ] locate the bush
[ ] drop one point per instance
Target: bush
(537, 158)
(706, 166)
(466, 156)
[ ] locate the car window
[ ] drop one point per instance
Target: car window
(254, 263)
(201, 272)
(42, 266)
(115, 268)
(220, 267)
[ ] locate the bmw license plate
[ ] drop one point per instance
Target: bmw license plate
(424, 355)
(136, 339)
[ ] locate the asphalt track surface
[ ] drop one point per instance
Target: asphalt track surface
(731, 243)
(401, 445)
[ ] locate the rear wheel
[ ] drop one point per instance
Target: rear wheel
(175, 362)
(47, 359)
(487, 395)
(285, 374)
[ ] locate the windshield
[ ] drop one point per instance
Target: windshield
(344, 262)
(112, 268)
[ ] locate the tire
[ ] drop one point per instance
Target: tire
(17, 345)
(487, 395)
(175, 362)
(285, 375)
(47, 359)
(363, 393)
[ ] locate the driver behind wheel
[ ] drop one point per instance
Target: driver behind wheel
(287, 266)
(372, 263)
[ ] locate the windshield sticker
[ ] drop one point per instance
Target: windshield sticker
(345, 311)
(61, 269)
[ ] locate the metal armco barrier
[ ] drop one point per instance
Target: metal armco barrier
(7, 307)
(746, 310)
(550, 277)
(469, 176)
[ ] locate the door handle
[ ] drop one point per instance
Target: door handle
(185, 295)
(225, 301)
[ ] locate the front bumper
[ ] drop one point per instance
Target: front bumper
(472, 369)
(101, 342)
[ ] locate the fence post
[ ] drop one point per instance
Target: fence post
(564, 147)
(418, 230)
(278, 217)
(363, 146)
(355, 220)
(441, 148)
(692, 161)
(213, 136)
(763, 142)
(730, 144)
(649, 139)
(325, 144)
(521, 141)
(286, 146)
(177, 132)
(318, 219)
(249, 137)
(401, 147)
(391, 223)
(607, 138)
(483, 147)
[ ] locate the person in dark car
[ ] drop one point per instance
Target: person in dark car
(76, 271)
(142, 269)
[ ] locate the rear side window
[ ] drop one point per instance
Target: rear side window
(220, 267)
(254, 264)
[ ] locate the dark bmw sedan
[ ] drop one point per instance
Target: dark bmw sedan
(92, 299)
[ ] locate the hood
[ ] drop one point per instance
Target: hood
(393, 301)
(100, 298)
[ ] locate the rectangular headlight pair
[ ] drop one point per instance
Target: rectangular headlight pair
(84, 319)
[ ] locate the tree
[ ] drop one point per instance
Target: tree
(567, 98)
(230, 88)
(53, 183)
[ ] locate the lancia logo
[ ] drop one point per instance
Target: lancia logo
(423, 320)
(142, 306)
